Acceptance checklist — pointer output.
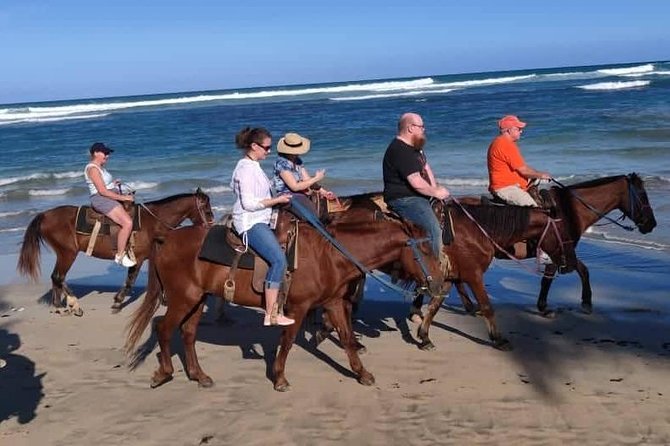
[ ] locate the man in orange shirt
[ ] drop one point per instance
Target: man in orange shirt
(509, 174)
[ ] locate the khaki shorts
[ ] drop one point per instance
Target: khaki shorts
(515, 195)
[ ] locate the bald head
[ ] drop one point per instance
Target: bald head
(407, 120)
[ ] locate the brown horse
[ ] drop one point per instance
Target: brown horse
(56, 227)
(478, 232)
(322, 280)
(582, 205)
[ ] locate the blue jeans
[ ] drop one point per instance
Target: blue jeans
(418, 211)
(262, 240)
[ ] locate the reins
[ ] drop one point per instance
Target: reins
(631, 193)
(412, 243)
(172, 228)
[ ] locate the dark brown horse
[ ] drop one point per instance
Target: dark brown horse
(322, 280)
(582, 205)
(56, 227)
(478, 233)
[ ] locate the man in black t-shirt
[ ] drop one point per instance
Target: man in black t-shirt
(409, 181)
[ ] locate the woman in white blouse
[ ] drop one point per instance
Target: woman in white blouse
(252, 212)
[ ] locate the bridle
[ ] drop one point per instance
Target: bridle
(635, 205)
(199, 206)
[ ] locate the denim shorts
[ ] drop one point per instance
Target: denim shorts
(102, 204)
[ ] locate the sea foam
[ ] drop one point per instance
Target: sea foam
(614, 85)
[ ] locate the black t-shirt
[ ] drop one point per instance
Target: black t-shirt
(400, 161)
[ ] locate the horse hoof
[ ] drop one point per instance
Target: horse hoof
(503, 345)
(158, 380)
(78, 312)
(548, 314)
(361, 349)
(416, 318)
(319, 337)
(427, 346)
(282, 386)
(366, 379)
(206, 382)
(587, 308)
(116, 307)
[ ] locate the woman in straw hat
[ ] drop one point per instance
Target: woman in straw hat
(252, 212)
(290, 175)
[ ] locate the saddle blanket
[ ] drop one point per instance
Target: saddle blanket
(87, 216)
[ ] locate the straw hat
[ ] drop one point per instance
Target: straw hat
(293, 144)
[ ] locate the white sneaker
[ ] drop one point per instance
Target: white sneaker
(124, 260)
(544, 258)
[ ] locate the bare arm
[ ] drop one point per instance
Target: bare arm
(421, 186)
(96, 178)
(306, 182)
(431, 177)
(528, 172)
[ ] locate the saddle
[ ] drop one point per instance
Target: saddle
(91, 222)
(223, 246)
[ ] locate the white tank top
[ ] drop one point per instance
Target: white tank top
(106, 178)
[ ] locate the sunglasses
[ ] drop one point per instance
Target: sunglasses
(266, 148)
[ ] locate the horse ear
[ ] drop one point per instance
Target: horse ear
(198, 191)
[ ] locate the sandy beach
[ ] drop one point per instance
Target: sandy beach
(573, 379)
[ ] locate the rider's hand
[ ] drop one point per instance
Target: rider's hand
(320, 174)
(441, 193)
(282, 199)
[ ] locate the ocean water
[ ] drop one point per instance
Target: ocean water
(583, 123)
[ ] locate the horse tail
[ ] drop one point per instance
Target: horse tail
(29, 259)
(142, 316)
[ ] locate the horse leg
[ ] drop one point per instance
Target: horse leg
(433, 306)
(415, 314)
(164, 329)
(64, 260)
(349, 314)
(545, 284)
(465, 299)
(188, 333)
(120, 295)
(328, 327)
(487, 312)
(583, 271)
(288, 336)
(341, 321)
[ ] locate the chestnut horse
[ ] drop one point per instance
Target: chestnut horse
(56, 227)
(323, 279)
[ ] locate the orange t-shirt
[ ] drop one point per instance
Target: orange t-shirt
(503, 159)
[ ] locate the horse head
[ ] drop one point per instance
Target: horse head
(202, 214)
(638, 208)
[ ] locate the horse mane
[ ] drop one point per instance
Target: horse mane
(170, 198)
(597, 182)
(501, 223)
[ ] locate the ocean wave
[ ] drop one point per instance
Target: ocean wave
(390, 95)
(614, 85)
(50, 119)
(216, 189)
(13, 229)
(645, 244)
(646, 68)
(221, 208)
(464, 181)
(41, 176)
(489, 81)
(137, 185)
(30, 113)
(10, 214)
(48, 192)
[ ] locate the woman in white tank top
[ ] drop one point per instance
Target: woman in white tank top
(106, 201)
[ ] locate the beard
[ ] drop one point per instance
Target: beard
(418, 141)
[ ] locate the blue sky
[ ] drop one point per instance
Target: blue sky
(74, 49)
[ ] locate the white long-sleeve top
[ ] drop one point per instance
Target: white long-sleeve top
(250, 185)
